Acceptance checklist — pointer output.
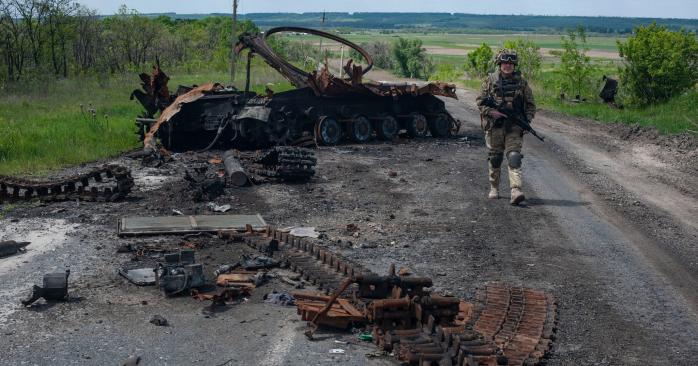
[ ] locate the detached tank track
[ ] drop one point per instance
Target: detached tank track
(520, 321)
(104, 184)
(315, 263)
(508, 326)
(283, 162)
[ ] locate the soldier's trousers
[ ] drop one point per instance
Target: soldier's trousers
(500, 142)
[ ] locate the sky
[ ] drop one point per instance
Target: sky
(624, 8)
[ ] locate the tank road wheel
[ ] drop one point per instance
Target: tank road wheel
(328, 131)
(416, 125)
(440, 125)
(387, 128)
(360, 129)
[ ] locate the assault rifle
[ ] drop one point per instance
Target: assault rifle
(519, 118)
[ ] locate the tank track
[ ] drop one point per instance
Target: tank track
(315, 263)
(520, 321)
(282, 162)
(105, 184)
(507, 326)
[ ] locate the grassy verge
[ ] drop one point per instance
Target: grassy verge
(46, 127)
(678, 115)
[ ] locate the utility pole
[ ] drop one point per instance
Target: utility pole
(322, 24)
(233, 56)
(341, 61)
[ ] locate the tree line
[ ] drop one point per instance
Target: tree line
(460, 22)
(42, 39)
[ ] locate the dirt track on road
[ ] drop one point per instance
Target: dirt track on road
(599, 232)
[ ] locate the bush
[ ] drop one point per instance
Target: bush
(411, 59)
(575, 66)
(659, 63)
(529, 57)
(480, 62)
(446, 73)
(380, 51)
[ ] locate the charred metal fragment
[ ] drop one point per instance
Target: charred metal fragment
(11, 247)
(55, 288)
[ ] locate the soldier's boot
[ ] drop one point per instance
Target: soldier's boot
(494, 183)
(517, 195)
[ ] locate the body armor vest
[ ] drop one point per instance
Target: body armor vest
(507, 90)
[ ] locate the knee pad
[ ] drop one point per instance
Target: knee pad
(496, 159)
(515, 159)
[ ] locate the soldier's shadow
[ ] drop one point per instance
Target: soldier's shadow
(549, 202)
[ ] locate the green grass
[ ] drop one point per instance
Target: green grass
(44, 128)
(676, 116)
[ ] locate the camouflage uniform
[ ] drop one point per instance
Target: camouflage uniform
(503, 136)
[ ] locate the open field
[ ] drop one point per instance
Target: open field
(450, 44)
(49, 126)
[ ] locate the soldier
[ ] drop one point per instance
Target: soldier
(502, 135)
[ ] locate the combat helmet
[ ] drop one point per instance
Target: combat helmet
(506, 55)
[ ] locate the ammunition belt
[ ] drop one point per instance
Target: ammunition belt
(104, 184)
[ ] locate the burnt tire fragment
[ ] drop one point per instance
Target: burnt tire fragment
(416, 125)
(360, 130)
(328, 131)
(387, 128)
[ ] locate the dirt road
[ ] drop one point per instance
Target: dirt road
(609, 230)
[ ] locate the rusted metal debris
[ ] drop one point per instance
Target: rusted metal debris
(285, 163)
(108, 183)
(155, 95)
(510, 326)
(171, 110)
(324, 109)
(323, 83)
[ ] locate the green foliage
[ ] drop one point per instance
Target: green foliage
(530, 59)
(446, 73)
(380, 51)
(49, 125)
(411, 59)
(64, 40)
(677, 115)
(575, 66)
(659, 63)
(480, 62)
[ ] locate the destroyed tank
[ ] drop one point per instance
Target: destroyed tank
(323, 109)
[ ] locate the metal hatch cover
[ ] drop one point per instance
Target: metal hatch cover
(187, 224)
